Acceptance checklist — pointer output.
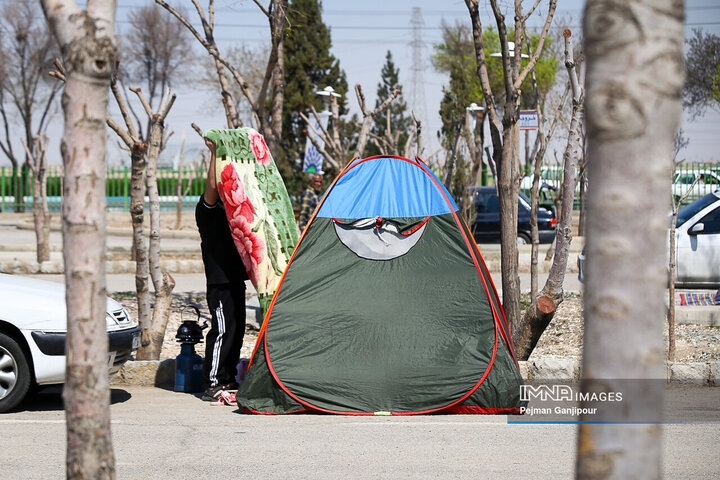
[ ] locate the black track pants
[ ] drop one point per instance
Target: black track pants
(224, 340)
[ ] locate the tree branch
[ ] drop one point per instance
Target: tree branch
(538, 51)
(184, 21)
(125, 136)
(530, 12)
(138, 91)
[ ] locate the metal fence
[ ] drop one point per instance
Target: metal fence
(117, 185)
(683, 177)
(117, 188)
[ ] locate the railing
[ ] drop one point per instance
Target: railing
(682, 179)
(117, 185)
(117, 188)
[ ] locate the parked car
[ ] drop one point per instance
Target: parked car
(683, 180)
(33, 327)
(550, 177)
(697, 244)
(486, 228)
(548, 187)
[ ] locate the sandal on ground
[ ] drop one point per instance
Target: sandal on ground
(226, 398)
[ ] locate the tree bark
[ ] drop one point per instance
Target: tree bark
(137, 210)
(163, 283)
(89, 48)
(368, 116)
(539, 156)
(41, 213)
(540, 313)
(634, 82)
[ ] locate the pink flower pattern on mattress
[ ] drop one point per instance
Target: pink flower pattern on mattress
(241, 214)
(259, 147)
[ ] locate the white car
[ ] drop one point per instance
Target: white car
(697, 242)
(33, 326)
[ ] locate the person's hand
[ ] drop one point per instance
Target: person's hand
(210, 145)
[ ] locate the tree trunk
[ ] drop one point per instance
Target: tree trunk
(137, 210)
(630, 137)
(277, 25)
(672, 264)
(507, 191)
(671, 289)
(163, 283)
(88, 45)
(180, 198)
(160, 316)
(542, 310)
(41, 214)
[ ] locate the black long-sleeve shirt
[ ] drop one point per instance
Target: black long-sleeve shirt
(220, 256)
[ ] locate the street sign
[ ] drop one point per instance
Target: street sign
(528, 120)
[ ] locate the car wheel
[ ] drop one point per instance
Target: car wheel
(14, 373)
(523, 239)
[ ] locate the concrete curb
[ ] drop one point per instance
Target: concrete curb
(121, 232)
(548, 367)
(555, 367)
(709, 316)
(16, 266)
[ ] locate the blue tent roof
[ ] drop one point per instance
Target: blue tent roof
(387, 187)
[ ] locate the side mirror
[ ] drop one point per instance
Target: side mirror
(697, 228)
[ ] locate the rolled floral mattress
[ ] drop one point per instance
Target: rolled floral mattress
(257, 206)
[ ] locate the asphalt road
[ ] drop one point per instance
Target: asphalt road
(160, 434)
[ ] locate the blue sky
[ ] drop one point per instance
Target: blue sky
(362, 32)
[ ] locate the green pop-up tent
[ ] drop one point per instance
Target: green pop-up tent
(386, 307)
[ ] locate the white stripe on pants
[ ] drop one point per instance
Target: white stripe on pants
(220, 315)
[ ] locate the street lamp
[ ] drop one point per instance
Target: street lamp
(474, 107)
(327, 92)
(511, 52)
(313, 158)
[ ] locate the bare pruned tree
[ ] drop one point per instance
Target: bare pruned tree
(506, 136)
(144, 157)
(335, 151)
(543, 308)
(535, 190)
(27, 49)
(89, 49)
(273, 84)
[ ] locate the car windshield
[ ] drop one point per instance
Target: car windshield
(487, 202)
(524, 200)
(686, 213)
